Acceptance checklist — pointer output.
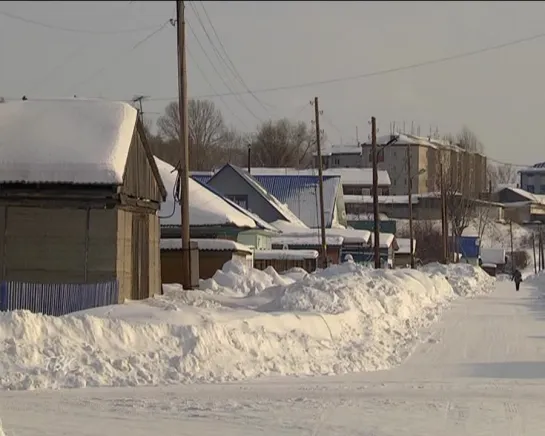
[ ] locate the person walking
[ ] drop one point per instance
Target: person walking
(517, 278)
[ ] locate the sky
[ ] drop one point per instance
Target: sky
(361, 59)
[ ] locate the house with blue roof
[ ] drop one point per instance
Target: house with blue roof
(275, 197)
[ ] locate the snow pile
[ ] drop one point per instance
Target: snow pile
(465, 279)
(238, 278)
(346, 318)
(2, 433)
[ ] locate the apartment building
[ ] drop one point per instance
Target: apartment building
(533, 179)
(463, 169)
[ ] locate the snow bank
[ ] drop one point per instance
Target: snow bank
(238, 278)
(253, 323)
(465, 279)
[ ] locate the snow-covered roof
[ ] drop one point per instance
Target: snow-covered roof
(307, 241)
(285, 254)
(398, 139)
(534, 198)
(386, 240)
(404, 245)
(281, 208)
(205, 207)
(207, 245)
(349, 176)
(350, 236)
(65, 141)
(382, 199)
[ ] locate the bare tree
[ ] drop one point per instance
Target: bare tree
(283, 143)
(502, 174)
(483, 217)
(468, 140)
(460, 204)
(207, 132)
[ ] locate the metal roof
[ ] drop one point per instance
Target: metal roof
(300, 194)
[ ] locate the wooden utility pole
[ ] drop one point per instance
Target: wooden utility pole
(376, 220)
(511, 239)
(444, 229)
(183, 169)
(138, 99)
(249, 158)
(320, 183)
(410, 187)
(534, 250)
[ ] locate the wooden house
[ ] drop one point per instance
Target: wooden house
(79, 195)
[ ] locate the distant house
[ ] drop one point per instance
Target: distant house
(293, 198)
(211, 215)
(521, 206)
(243, 189)
(79, 195)
(532, 179)
(355, 181)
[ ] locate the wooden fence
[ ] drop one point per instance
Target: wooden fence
(56, 299)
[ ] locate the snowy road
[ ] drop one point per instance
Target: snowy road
(480, 372)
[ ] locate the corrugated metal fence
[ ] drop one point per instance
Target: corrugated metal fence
(56, 299)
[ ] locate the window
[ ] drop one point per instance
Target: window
(337, 161)
(530, 188)
(241, 200)
(542, 189)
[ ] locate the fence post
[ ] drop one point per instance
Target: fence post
(3, 296)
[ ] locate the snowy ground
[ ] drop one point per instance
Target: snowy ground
(479, 370)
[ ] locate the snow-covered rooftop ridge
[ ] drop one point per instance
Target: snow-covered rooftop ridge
(307, 241)
(79, 141)
(285, 254)
(535, 198)
(396, 138)
(350, 236)
(349, 176)
(404, 245)
(382, 199)
(205, 207)
(207, 245)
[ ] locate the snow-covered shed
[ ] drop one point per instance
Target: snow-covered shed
(79, 195)
(213, 254)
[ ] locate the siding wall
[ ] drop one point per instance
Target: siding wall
(139, 181)
(124, 257)
(57, 245)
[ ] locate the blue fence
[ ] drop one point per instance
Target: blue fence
(56, 299)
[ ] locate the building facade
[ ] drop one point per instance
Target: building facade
(464, 171)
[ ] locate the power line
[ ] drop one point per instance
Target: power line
(74, 30)
(240, 100)
(213, 89)
(121, 55)
(380, 72)
(227, 59)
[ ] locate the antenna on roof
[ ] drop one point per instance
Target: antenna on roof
(404, 131)
(418, 131)
(412, 127)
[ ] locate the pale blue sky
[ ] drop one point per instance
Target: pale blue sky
(498, 94)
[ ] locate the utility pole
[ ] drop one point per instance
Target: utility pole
(410, 185)
(249, 158)
(320, 182)
(138, 99)
(511, 238)
(376, 223)
(444, 230)
(183, 170)
(534, 250)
